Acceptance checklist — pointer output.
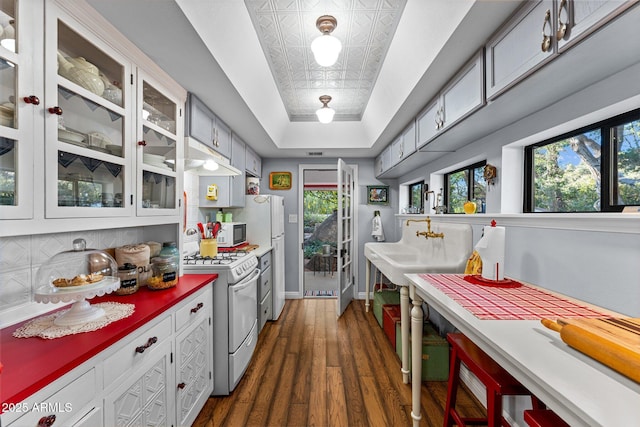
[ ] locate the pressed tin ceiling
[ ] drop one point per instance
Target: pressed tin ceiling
(286, 29)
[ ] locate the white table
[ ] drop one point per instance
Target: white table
(580, 390)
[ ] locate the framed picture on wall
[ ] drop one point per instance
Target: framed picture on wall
(280, 180)
(377, 194)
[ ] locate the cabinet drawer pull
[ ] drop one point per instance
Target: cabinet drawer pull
(150, 342)
(546, 39)
(197, 307)
(142, 143)
(47, 421)
(32, 99)
(55, 110)
(562, 26)
(181, 386)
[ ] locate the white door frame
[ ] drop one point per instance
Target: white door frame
(323, 166)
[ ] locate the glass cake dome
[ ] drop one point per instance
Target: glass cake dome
(74, 276)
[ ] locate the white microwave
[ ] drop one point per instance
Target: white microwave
(232, 234)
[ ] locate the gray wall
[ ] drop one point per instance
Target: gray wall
(364, 211)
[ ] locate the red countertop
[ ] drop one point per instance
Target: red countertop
(32, 363)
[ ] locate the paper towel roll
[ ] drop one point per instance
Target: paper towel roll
(491, 250)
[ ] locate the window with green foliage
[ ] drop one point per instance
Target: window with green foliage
(416, 198)
(593, 169)
(465, 184)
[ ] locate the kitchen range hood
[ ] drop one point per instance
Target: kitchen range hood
(197, 157)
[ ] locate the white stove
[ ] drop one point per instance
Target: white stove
(235, 314)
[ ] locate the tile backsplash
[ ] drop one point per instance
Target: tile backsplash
(22, 256)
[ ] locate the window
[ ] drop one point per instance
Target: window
(593, 169)
(466, 184)
(416, 199)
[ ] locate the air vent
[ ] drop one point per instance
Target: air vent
(314, 153)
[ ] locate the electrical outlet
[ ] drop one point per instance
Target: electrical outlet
(293, 219)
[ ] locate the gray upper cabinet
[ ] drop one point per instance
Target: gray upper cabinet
(206, 127)
(577, 19)
(383, 161)
(520, 47)
(463, 95)
(404, 145)
(253, 164)
(428, 123)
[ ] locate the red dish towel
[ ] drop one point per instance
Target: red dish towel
(507, 303)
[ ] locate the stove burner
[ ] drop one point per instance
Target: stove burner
(222, 258)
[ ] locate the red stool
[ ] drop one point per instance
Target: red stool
(543, 418)
(497, 381)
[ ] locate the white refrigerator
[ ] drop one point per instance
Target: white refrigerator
(264, 216)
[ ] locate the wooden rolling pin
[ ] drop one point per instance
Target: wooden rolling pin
(623, 358)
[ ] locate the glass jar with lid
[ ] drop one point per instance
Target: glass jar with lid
(164, 273)
(128, 274)
(170, 249)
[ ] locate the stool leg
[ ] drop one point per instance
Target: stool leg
(452, 388)
(494, 409)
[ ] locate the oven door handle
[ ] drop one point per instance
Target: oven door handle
(246, 281)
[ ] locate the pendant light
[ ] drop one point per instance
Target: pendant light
(325, 113)
(326, 47)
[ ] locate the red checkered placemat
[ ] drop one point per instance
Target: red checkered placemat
(519, 303)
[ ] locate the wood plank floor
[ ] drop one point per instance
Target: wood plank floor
(312, 369)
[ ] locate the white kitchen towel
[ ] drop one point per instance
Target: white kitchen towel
(376, 228)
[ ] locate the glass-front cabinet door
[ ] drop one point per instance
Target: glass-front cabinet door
(87, 123)
(159, 149)
(19, 100)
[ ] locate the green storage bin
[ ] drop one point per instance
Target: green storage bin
(382, 298)
(435, 353)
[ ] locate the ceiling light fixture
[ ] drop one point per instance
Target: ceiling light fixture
(326, 47)
(325, 113)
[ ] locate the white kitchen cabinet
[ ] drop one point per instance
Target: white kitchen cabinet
(73, 403)
(577, 19)
(206, 127)
(238, 182)
(463, 95)
(428, 123)
(144, 397)
(383, 161)
(21, 100)
(88, 122)
(404, 145)
(226, 189)
(253, 163)
(159, 149)
(519, 47)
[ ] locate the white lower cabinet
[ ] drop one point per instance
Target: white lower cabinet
(159, 375)
(143, 398)
(72, 404)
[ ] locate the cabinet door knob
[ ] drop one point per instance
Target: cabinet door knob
(562, 26)
(546, 38)
(32, 99)
(142, 143)
(47, 421)
(55, 110)
(181, 386)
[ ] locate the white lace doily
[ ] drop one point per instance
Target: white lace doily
(44, 327)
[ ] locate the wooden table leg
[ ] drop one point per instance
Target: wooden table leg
(404, 329)
(416, 358)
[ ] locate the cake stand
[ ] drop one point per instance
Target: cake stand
(81, 311)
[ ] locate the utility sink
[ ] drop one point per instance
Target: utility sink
(422, 253)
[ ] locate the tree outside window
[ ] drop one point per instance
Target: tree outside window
(466, 184)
